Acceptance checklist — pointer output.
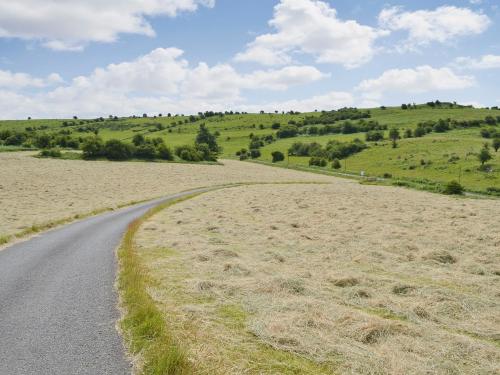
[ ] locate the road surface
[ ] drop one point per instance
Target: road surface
(58, 305)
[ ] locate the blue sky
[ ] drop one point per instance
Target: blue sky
(183, 56)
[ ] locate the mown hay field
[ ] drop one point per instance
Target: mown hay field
(338, 278)
(34, 192)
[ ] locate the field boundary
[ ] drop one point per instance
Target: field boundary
(393, 182)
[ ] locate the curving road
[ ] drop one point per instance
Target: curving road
(58, 305)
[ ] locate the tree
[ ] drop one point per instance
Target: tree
(138, 140)
(496, 144)
(484, 156)
(145, 151)
(394, 136)
(453, 187)
(92, 148)
(336, 164)
(277, 156)
(205, 137)
(115, 149)
(165, 153)
(255, 153)
(43, 141)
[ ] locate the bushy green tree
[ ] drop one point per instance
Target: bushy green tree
(188, 153)
(205, 137)
(93, 148)
(484, 155)
(318, 162)
(145, 151)
(43, 141)
(453, 187)
(277, 156)
(165, 153)
(394, 136)
(496, 144)
(115, 149)
(374, 136)
(255, 153)
(138, 140)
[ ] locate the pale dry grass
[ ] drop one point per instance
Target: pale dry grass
(369, 279)
(37, 191)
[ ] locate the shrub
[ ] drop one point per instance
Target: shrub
(374, 136)
(188, 153)
(205, 137)
(276, 126)
(277, 156)
(115, 149)
(165, 153)
(145, 151)
(317, 162)
(496, 144)
(255, 153)
(43, 141)
(336, 164)
(138, 140)
(50, 153)
(288, 131)
(484, 156)
(306, 149)
(453, 188)
(419, 132)
(15, 139)
(92, 148)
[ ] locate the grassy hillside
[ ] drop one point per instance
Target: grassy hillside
(433, 158)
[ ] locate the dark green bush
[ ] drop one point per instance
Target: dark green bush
(288, 131)
(165, 153)
(277, 156)
(318, 162)
(336, 164)
(115, 149)
(374, 136)
(453, 187)
(145, 151)
(188, 153)
(43, 141)
(255, 153)
(50, 153)
(93, 148)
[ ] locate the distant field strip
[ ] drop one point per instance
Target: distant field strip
(337, 278)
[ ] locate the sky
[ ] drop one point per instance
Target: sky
(90, 58)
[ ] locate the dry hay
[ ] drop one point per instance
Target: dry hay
(373, 280)
(37, 191)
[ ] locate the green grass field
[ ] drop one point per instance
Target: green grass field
(434, 158)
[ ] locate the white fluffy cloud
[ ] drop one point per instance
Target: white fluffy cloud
(15, 81)
(69, 25)
(414, 81)
(161, 81)
(440, 25)
(312, 27)
(483, 62)
(329, 101)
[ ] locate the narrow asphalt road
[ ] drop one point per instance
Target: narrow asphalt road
(58, 305)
